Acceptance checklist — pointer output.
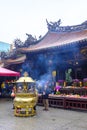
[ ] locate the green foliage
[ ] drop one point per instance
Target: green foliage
(57, 92)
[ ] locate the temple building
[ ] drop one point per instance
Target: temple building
(62, 48)
(58, 60)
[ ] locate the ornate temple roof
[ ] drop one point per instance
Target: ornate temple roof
(18, 60)
(55, 39)
(60, 35)
(57, 36)
(7, 62)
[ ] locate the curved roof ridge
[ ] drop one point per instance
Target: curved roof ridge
(55, 27)
(57, 39)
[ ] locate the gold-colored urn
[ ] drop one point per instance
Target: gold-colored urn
(25, 98)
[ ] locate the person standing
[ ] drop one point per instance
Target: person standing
(13, 94)
(45, 96)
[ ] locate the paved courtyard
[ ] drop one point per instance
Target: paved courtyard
(54, 119)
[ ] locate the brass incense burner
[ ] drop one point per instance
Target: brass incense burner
(25, 98)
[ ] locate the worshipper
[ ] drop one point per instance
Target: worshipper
(13, 94)
(45, 95)
(3, 88)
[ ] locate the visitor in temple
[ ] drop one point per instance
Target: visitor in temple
(45, 96)
(3, 88)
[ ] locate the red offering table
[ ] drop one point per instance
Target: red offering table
(66, 102)
(56, 101)
(76, 103)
